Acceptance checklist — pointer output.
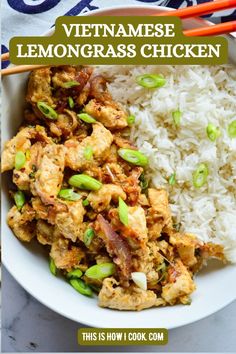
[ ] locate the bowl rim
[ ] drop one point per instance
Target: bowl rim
(27, 286)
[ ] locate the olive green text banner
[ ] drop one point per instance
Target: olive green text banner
(122, 336)
(135, 40)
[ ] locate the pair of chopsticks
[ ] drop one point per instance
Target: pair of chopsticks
(187, 12)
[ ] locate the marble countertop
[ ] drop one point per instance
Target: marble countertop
(28, 326)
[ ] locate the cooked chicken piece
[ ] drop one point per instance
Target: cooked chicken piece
(98, 89)
(205, 252)
(133, 298)
(45, 232)
(137, 222)
(112, 172)
(65, 124)
(24, 177)
(135, 232)
(83, 96)
(179, 283)
(70, 223)
(48, 212)
(39, 88)
(100, 200)
(143, 200)
(186, 245)
(41, 210)
(22, 222)
(21, 142)
(123, 143)
(131, 186)
(66, 256)
(159, 215)
(99, 142)
(68, 73)
(49, 176)
(111, 115)
(146, 260)
(211, 250)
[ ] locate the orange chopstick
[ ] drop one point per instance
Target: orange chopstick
(5, 56)
(18, 69)
(202, 9)
(215, 30)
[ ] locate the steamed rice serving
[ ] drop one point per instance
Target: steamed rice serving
(203, 95)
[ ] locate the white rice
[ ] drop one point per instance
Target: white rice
(204, 95)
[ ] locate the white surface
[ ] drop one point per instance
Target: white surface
(29, 265)
(29, 326)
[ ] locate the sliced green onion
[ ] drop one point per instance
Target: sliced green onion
(140, 279)
(131, 119)
(100, 271)
(200, 175)
(85, 202)
(85, 182)
(176, 115)
(71, 102)
(86, 118)
(88, 153)
(123, 212)
(133, 156)
(88, 237)
(20, 160)
(212, 132)
(232, 129)
(69, 194)
(151, 80)
(143, 181)
(172, 179)
(19, 199)
(52, 266)
(70, 84)
(80, 286)
(76, 273)
(47, 111)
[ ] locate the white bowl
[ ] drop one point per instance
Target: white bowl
(28, 264)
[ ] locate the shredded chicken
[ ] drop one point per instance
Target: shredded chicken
(179, 285)
(110, 115)
(22, 222)
(159, 215)
(45, 232)
(116, 297)
(70, 223)
(66, 257)
(99, 142)
(101, 199)
(49, 176)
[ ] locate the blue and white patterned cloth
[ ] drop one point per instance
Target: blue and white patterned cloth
(34, 17)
